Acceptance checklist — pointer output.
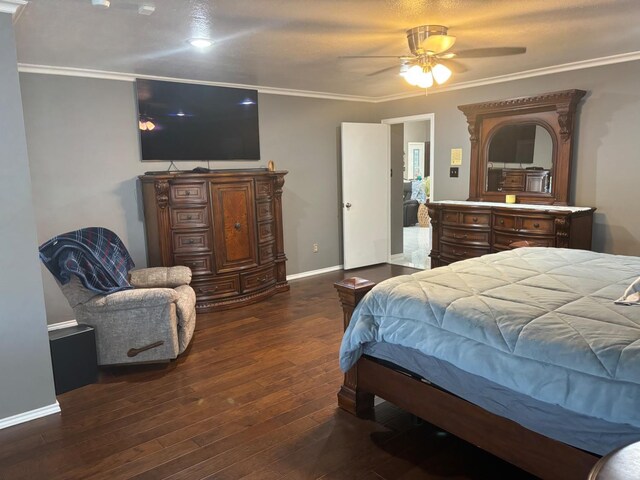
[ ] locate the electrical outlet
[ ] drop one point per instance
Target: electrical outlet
(315, 248)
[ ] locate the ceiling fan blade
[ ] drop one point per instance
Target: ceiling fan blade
(489, 52)
(455, 67)
(436, 44)
(395, 67)
(374, 56)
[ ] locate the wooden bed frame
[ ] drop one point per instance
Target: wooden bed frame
(531, 451)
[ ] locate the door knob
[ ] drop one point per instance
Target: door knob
(348, 205)
(237, 226)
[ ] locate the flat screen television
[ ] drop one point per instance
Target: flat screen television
(182, 121)
(513, 144)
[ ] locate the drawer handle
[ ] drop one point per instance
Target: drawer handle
(262, 279)
(459, 254)
(237, 226)
(536, 225)
(187, 193)
(501, 222)
(189, 217)
(456, 236)
(191, 241)
(205, 290)
(475, 219)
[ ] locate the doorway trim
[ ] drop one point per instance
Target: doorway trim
(432, 124)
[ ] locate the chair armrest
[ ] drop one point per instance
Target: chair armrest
(131, 299)
(160, 277)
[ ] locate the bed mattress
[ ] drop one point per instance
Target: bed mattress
(540, 322)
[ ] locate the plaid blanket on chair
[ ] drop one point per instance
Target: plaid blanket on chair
(95, 255)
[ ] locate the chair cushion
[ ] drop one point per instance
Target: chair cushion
(160, 277)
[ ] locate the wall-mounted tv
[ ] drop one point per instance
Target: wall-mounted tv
(513, 144)
(183, 121)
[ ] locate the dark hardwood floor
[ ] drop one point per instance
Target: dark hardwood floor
(253, 398)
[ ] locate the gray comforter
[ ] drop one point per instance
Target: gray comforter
(539, 321)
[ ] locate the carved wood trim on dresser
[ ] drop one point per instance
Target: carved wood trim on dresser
(226, 225)
(463, 230)
(555, 111)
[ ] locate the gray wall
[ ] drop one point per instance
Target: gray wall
(84, 159)
(25, 374)
(397, 187)
(607, 143)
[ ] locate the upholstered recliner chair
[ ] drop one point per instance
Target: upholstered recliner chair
(139, 316)
(409, 207)
(152, 322)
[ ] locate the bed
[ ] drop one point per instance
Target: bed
(523, 353)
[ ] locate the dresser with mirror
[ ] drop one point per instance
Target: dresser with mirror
(521, 148)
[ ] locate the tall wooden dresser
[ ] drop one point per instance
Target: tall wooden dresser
(226, 225)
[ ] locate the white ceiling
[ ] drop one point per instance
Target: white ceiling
(295, 44)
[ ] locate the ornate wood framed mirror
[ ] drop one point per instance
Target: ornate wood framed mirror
(522, 146)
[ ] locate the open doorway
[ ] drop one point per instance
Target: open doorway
(412, 147)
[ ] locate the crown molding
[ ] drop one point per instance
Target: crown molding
(130, 77)
(537, 72)
(10, 6)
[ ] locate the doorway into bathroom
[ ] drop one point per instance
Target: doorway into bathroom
(412, 146)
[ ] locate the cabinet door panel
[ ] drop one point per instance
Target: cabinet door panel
(234, 226)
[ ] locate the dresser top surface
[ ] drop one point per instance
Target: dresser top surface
(525, 206)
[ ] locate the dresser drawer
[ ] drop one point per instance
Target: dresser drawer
(513, 181)
(475, 218)
(184, 242)
(468, 236)
(460, 252)
(466, 218)
(199, 263)
(502, 241)
(264, 211)
(266, 253)
(185, 217)
(537, 225)
(182, 193)
(265, 232)
(504, 222)
(258, 279)
(218, 287)
(451, 217)
(264, 189)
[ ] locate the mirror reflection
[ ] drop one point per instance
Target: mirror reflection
(520, 159)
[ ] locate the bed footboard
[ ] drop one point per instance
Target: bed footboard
(350, 398)
(531, 451)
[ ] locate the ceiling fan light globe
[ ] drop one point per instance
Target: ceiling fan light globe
(441, 73)
(413, 75)
(426, 80)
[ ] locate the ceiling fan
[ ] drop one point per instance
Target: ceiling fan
(431, 56)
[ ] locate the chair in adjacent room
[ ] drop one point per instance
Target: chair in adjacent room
(410, 207)
(139, 316)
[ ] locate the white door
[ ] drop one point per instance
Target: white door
(365, 193)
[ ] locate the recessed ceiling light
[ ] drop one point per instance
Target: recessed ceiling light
(101, 3)
(146, 9)
(200, 42)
